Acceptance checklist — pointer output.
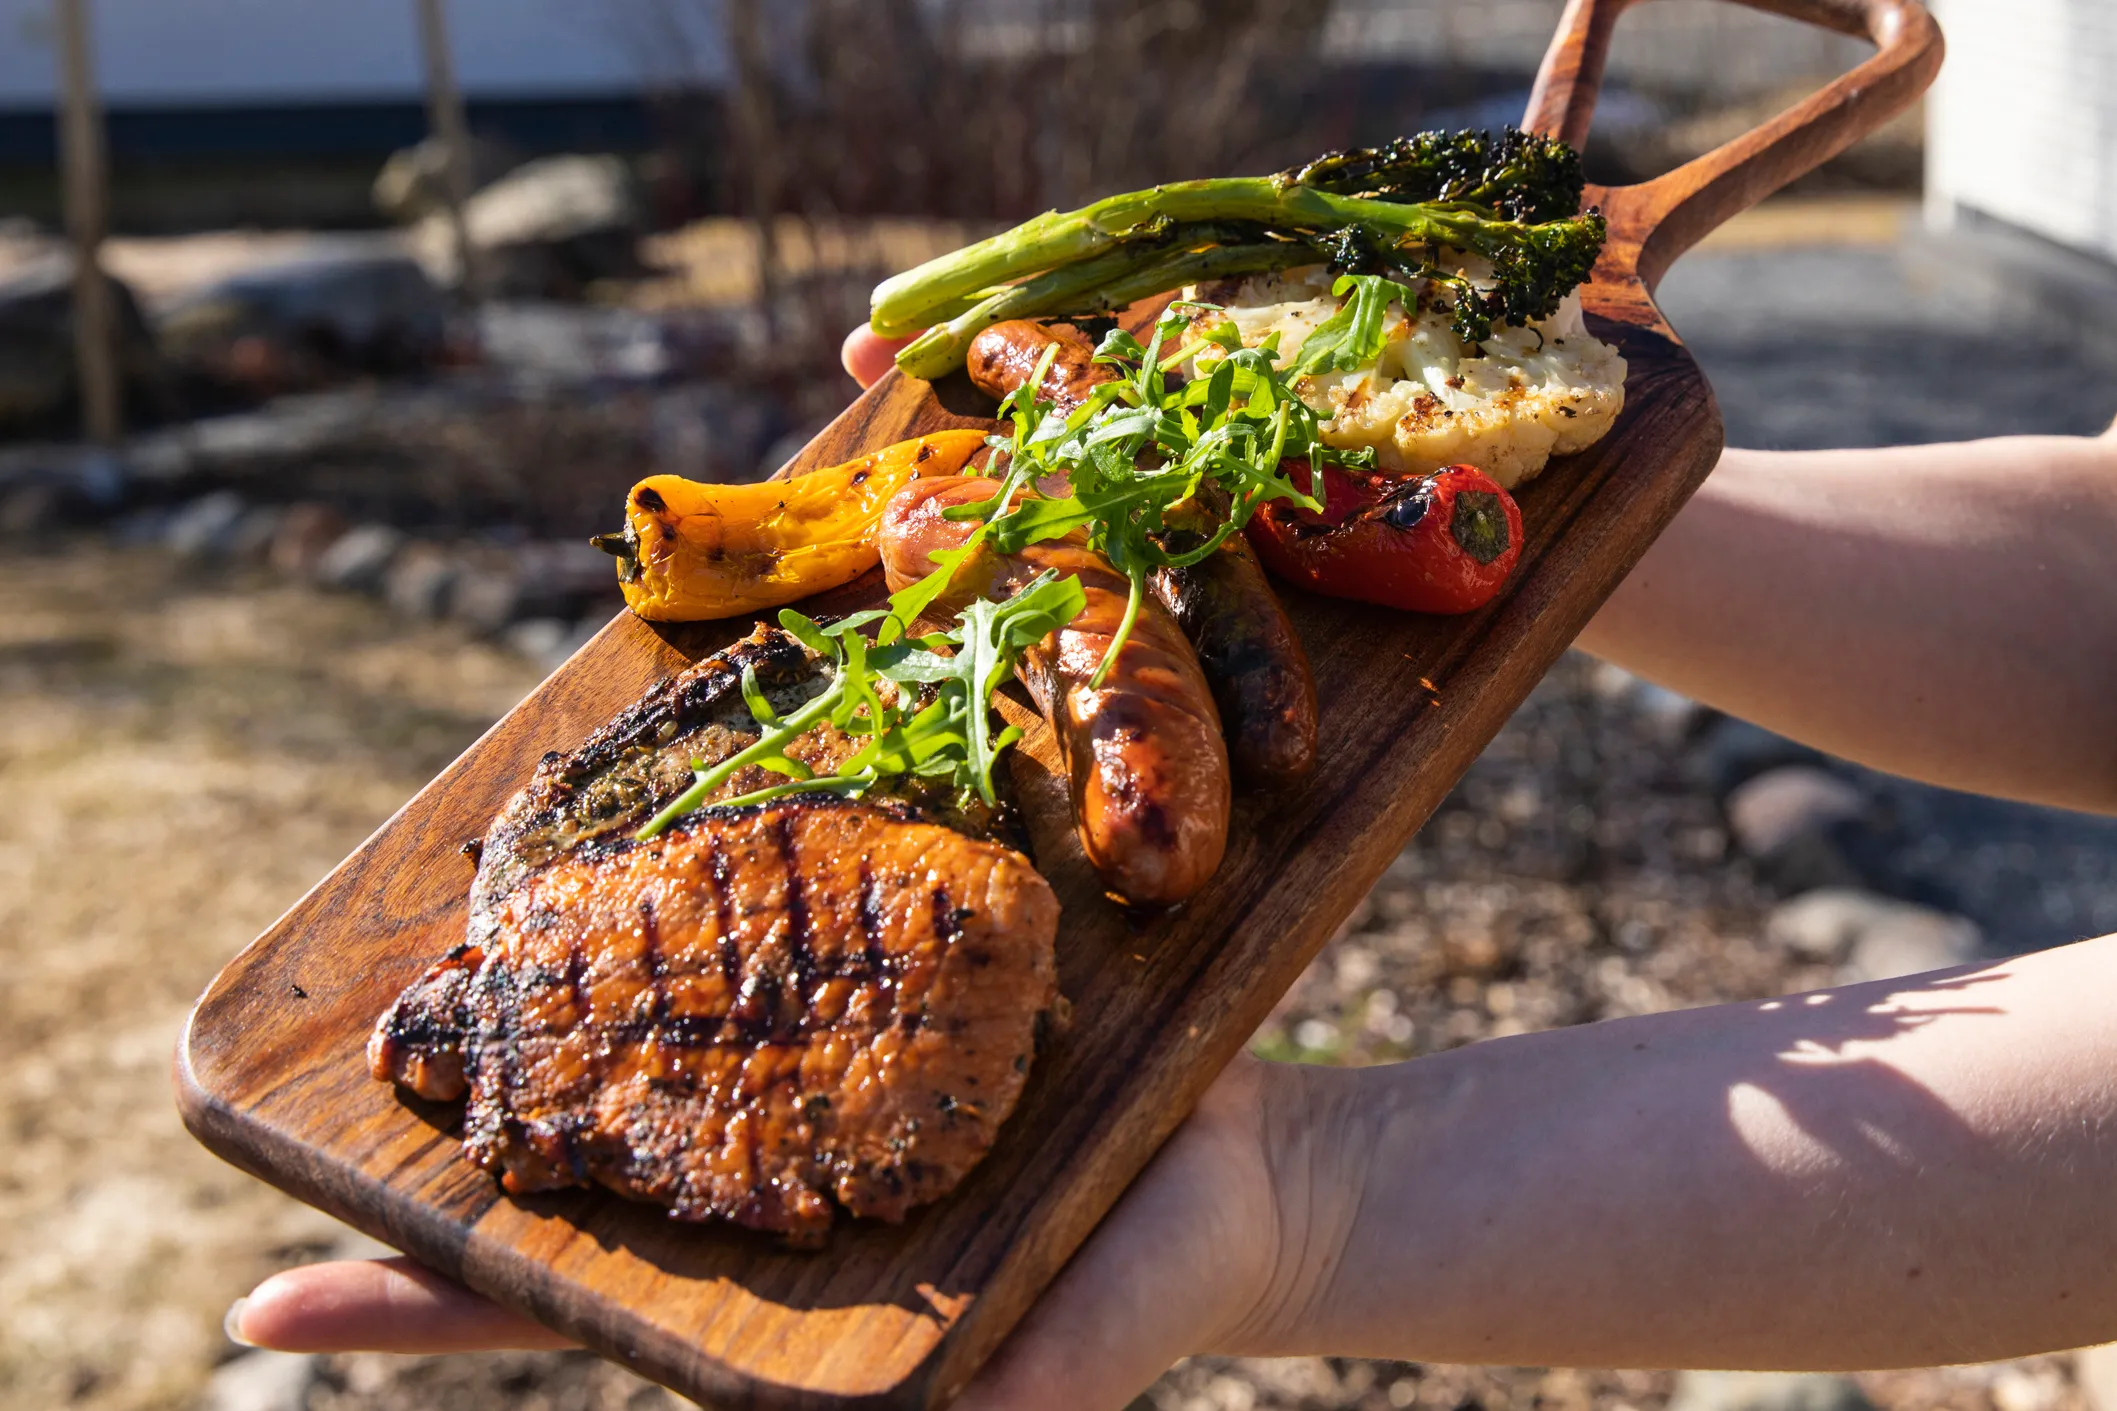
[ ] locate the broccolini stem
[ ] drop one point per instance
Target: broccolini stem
(910, 300)
(1103, 284)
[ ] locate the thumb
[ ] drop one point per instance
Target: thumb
(867, 355)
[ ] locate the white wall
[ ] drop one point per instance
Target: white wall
(2022, 123)
(223, 51)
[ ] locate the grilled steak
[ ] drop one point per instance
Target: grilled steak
(755, 1010)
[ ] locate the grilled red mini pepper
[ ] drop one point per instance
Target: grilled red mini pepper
(1430, 543)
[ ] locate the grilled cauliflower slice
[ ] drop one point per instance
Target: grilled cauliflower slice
(1428, 400)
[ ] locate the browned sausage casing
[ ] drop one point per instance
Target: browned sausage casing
(1002, 357)
(1144, 753)
(1251, 654)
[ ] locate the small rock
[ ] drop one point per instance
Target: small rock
(551, 226)
(546, 579)
(202, 528)
(359, 558)
(253, 535)
(1878, 937)
(414, 181)
(1671, 715)
(1823, 924)
(1730, 751)
(347, 304)
(2017, 1388)
(1911, 941)
(305, 531)
(419, 582)
(486, 598)
(537, 637)
(548, 641)
(583, 632)
(37, 386)
(260, 1381)
(2096, 1369)
(570, 566)
(1781, 806)
(1766, 1391)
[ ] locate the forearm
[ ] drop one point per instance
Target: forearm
(1899, 1174)
(1943, 612)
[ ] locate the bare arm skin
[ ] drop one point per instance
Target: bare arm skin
(1903, 1173)
(1943, 612)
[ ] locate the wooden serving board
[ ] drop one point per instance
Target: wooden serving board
(271, 1073)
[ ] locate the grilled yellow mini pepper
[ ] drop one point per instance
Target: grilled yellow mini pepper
(691, 551)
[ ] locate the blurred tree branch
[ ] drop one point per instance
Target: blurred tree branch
(820, 115)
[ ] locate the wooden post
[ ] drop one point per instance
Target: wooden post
(444, 119)
(83, 163)
(761, 146)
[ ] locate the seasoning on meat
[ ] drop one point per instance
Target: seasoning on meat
(757, 1011)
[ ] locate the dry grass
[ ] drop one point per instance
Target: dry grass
(183, 760)
(714, 262)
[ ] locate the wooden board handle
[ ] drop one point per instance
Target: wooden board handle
(1653, 222)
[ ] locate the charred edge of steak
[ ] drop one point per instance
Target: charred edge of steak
(629, 769)
(420, 1041)
(698, 696)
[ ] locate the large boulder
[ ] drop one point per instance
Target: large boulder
(547, 229)
(340, 307)
(39, 390)
(413, 183)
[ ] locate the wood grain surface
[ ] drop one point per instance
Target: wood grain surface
(271, 1074)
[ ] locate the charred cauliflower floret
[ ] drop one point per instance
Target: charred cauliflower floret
(1428, 399)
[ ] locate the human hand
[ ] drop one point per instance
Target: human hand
(1215, 1248)
(867, 355)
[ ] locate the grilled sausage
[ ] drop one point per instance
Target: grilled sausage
(1144, 753)
(1002, 357)
(1251, 654)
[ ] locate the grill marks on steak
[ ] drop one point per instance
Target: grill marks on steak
(758, 1010)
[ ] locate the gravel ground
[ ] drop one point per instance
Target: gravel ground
(157, 723)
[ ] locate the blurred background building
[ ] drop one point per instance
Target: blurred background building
(2024, 126)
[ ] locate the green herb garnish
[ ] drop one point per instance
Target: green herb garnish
(1353, 336)
(1143, 445)
(922, 703)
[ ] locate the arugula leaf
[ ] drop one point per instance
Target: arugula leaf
(923, 703)
(1353, 335)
